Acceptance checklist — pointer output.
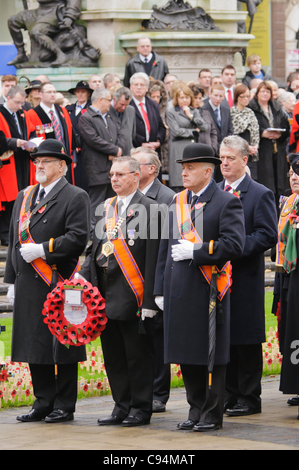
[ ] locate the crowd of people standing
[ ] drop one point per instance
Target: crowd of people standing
(222, 147)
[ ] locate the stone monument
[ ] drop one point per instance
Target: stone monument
(56, 40)
(186, 49)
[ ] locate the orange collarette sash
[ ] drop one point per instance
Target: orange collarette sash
(40, 265)
(124, 257)
(188, 232)
(285, 212)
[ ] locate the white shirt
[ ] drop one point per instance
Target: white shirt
(214, 108)
(47, 188)
(200, 192)
(47, 110)
(126, 201)
(79, 108)
(235, 184)
(149, 57)
(145, 190)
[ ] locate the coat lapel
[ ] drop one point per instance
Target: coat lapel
(47, 202)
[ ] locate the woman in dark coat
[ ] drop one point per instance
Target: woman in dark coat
(272, 167)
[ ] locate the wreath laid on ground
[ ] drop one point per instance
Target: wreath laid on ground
(75, 312)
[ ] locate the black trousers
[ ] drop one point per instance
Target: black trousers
(205, 405)
(244, 375)
(51, 396)
(162, 371)
(130, 364)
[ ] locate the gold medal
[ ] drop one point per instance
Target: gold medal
(107, 249)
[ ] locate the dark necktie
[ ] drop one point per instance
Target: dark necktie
(193, 202)
(218, 117)
(120, 208)
(40, 196)
(145, 61)
(227, 188)
(56, 126)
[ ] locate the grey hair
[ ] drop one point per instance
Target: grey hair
(140, 75)
(150, 155)
(123, 91)
(16, 89)
(236, 142)
(99, 93)
(132, 163)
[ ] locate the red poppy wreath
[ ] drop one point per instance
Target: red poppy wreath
(75, 312)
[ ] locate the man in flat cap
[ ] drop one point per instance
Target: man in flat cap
(205, 230)
(52, 209)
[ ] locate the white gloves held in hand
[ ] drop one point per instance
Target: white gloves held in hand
(182, 251)
(32, 251)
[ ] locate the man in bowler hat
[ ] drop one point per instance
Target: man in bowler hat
(52, 209)
(183, 276)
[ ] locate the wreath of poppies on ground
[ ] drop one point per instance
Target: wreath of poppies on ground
(59, 326)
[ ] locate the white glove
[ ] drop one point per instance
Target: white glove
(78, 276)
(32, 251)
(11, 294)
(182, 251)
(146, 313)
(159, 301)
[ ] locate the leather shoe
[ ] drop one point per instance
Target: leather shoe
(206, 427)
(31, 417)
(242, 410)
(59, 416)
(187, 425)
(158, 406)
(132, 421)
(110, 421)
(293, 401)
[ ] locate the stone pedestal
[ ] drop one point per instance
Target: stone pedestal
(116, 30)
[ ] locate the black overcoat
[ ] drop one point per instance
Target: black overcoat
(185, 290)
(248, 290)
(66, 218)
(271, 171)
(158, 130)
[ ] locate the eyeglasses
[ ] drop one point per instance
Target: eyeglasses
(290, 174)
(19, 103)
(119, 175)
(43, 162)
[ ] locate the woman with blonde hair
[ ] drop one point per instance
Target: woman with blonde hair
(185, 126)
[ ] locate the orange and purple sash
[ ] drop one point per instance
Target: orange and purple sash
(124, 257)
(40, 265)
(185, 222)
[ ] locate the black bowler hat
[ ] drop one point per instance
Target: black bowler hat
(294, 162)
(34, 85)
(199, 153)
(83, 85)
(51, 148)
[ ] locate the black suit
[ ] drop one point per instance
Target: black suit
(66, 219)
(243, 385)
(223, 131)
(158, 131)
(128, 355)
(162, 195)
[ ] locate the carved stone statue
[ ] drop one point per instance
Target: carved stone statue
(55, 38)
(180, 15)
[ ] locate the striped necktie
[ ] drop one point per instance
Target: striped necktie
(227, 188)
(56, 126)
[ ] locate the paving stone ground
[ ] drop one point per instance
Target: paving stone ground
(276, 428)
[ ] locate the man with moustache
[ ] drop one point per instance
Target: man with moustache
(52, 209)
(244, 372)
(205, 229)
(122, 265)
